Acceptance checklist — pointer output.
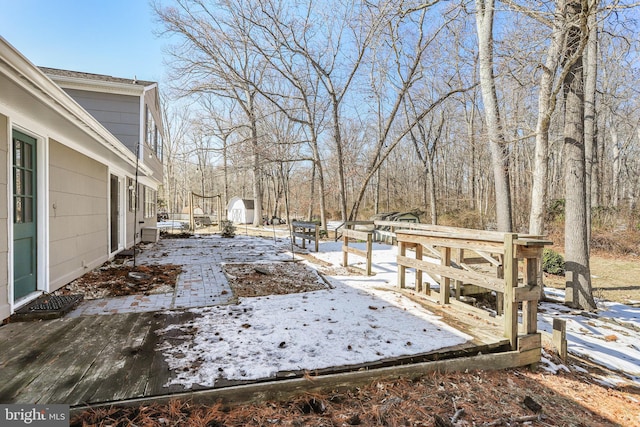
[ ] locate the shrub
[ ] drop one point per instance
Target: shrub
(552, 262)
(228, 229)
(555, 210)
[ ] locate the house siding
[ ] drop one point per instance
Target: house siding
(5, 307)
(78, 218)
(120, 114)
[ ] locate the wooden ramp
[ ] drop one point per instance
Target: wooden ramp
(86, 359)
(104, 360)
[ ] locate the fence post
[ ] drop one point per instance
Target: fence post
(345, 244)
(445, 282)
(559, 337)
(510, 282)
(418, 270)
(369, 252)
(317, 228)
(402, 252)
(459, 283)
(530, 307)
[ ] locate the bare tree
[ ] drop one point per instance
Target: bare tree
(578, 291)
(497, 144)
(213, 56)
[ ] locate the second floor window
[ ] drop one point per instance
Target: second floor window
(153, 137)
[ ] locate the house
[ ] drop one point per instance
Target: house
(72, 148)
(240, 211)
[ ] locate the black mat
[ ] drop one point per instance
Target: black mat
(46, 307)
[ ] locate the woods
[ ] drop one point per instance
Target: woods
(482, 114)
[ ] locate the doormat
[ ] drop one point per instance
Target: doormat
(46, 307)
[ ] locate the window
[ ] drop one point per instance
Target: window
(132, 194)
(153, 137)
(150, 128)
(149, 202)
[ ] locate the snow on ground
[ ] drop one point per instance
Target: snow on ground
(347, 325)
(362, 319)
(608, 338)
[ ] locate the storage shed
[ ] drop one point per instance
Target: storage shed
(397, 216)
(240, 211)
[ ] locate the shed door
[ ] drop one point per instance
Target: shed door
(24, 215)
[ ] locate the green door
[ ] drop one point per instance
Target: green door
(24, 215)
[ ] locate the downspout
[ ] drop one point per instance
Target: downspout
(135, 207)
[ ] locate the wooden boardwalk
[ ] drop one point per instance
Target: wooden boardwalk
(82, 360)
(98, 360)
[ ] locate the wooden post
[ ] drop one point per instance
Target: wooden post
(445, 282)
(345, 253)
(369, 252)
(418, 271)
(460, 261)
(192, 223)
(402, 251)
(317, 229)
(510, 282)
(530, 308)
(559, 337)
(500, 295)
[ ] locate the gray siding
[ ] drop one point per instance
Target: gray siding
(120, 114)
(5, 307)
(79, 221)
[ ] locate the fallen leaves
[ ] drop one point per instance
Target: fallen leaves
(118, 280)
(447, 399)
(277, 278)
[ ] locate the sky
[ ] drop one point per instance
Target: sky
(112, 37)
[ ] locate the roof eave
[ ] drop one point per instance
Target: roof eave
(34, 81)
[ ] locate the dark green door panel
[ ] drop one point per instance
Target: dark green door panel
(24, 215)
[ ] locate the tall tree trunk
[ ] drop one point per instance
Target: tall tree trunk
(497, 143)
(337, 138)
(578, 278)
(257, 174)
(615, 179)
(312, 189)
(590, 69)
(546, 106)
(431, 182)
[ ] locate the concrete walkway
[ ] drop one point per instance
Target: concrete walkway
(201, 283)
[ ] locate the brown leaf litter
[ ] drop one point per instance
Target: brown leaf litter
(515, 397)
(276, 278)
(113, 280)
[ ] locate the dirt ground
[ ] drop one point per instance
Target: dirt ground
(276, 278)
(115, 279)
(475, 398)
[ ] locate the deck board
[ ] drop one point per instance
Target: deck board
(86, 359)
(37, 357)
(101, 359)
(93, 369)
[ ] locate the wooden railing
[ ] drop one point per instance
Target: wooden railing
(460, 252)
(366, 236)
(306, 231)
